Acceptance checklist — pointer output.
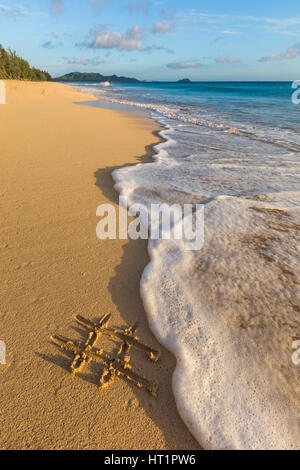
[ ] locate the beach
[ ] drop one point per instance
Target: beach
(224, 315)
(56, 159)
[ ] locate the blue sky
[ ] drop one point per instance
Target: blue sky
(163, 39)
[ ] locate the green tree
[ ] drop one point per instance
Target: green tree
(13, 67)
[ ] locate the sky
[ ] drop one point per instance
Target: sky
(157, 39)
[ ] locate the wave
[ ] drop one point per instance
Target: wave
(227, 313)
(199, 116)
(230, 312)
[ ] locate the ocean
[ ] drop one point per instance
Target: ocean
(230, 311)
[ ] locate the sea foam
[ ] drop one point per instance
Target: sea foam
(229, 312)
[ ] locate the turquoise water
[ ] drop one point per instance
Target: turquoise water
(260, 110)
(266, 103)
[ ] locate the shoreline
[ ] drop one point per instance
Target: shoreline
(189, 297)
(54, 268)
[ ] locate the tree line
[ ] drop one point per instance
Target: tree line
(15, 68)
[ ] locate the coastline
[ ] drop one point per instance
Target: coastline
(53, 268)
(192, 297)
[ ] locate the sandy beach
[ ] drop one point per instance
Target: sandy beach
(56, 159)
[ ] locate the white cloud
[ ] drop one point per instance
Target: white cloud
(83, 61)
(279, 23)
(229, 32)
(289, 54)
(78, 61)
(161, 27)
(128, 41)
(104, 39)
(4, 7)
(184, 65)
(17, 11)
(227, 60)
(197, 20)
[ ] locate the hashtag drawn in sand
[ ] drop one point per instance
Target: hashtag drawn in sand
(118, 366)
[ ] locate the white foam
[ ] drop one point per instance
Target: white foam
(220, 314)
(230, 312)
(2, 92)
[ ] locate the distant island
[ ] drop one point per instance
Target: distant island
(93, 77)
(13, 67)
(184, 80)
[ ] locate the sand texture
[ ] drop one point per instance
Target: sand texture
(56, 159)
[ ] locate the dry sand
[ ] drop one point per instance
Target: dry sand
(56, 159)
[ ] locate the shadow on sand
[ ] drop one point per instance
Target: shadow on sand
(123, 288)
